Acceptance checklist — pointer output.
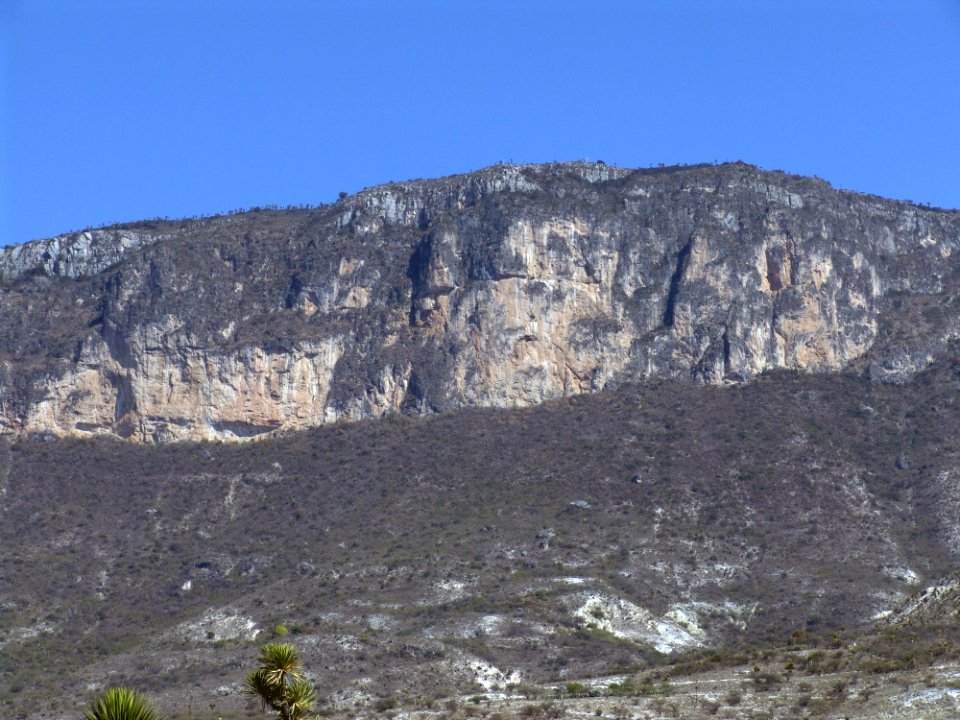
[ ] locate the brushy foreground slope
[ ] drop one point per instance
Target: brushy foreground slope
(415, 559)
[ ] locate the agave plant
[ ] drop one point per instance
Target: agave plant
(280, 684)
(121, 703)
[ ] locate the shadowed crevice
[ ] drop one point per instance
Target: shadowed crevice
(683, 258)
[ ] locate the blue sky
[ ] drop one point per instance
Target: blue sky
(122, 110)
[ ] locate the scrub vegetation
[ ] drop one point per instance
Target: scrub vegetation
(417, 560)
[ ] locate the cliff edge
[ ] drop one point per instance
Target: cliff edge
(504, 287)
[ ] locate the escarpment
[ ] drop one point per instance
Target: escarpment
(505, 287)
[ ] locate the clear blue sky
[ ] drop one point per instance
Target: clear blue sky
(122, 110)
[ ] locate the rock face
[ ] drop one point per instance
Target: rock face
(934, 605)
(504, 287)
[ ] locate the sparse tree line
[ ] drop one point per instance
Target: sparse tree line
(278, 683)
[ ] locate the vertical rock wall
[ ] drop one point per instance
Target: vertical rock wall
(505, 287)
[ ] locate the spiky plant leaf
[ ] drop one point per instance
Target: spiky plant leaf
(299, 698)
(280, 682)
(261, 685)
(121, 703)
(281, 662)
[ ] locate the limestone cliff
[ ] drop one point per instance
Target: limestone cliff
(504, 287)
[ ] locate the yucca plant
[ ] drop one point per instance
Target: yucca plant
(279, 682)
(121, 703)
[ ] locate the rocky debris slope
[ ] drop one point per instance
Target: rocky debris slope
(504, 287)
(937, 604)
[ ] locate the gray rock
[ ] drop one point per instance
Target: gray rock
(505, 287)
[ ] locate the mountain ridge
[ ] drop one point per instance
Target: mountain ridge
(609, 425)
(29, 256)
(504, 287)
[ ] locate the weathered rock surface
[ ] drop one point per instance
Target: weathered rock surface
(504, 287)
(934, 605)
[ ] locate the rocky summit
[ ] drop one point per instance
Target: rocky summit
(504, 287)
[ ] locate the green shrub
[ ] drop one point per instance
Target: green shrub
(121, 704)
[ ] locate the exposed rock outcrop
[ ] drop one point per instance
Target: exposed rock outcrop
(504, 287)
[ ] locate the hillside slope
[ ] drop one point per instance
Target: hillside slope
(428, 557)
